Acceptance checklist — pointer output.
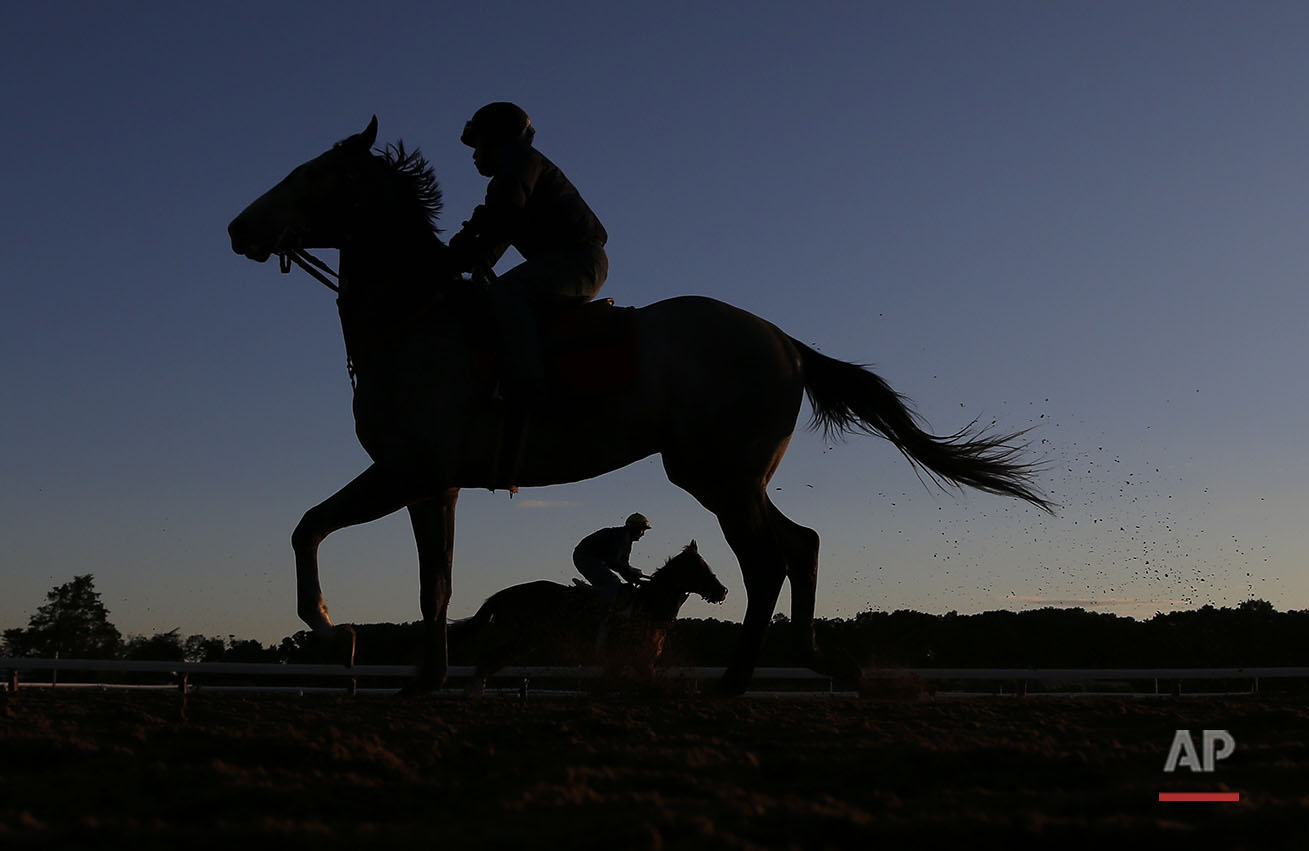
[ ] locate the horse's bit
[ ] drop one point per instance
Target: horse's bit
(310, 264)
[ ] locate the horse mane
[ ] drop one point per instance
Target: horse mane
(672, 559)
(417, 178)
(415, 175)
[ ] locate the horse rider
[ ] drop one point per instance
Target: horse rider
(605, 555)
(532, 206)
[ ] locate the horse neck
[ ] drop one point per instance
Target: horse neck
(390, 281)
(660, 599)
(392, 262)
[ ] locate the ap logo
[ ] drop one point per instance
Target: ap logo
(1214, 744)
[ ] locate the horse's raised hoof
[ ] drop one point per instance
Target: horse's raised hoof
(342, 644)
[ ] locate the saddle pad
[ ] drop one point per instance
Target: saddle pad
(590, 349)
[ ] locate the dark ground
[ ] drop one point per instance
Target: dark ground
(124, 769)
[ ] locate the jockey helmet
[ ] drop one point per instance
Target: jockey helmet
(497, 124)
(637, 521)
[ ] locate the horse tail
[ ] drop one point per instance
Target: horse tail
(848, 398)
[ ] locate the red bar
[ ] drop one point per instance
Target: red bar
(1200, 796)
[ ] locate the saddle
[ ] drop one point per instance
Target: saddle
(620, 606)
(591, 348)
(587, 350)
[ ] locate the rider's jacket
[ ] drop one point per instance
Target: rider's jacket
(532, 206)
(612, 546)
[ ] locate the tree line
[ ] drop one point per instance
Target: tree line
(74, 624)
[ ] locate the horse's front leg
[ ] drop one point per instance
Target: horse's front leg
(434, 532)
(372, 495)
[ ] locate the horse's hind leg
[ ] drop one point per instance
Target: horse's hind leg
(762, 569)
(800, 546)
(746, 523)
(736, 496)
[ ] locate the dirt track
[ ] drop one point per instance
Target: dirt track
(81, 769)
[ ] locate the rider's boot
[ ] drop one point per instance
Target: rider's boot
(522, 381)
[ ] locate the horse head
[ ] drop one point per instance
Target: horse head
(694, 576)
(311, 207)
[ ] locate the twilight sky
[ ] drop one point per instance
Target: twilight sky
(1085, 218)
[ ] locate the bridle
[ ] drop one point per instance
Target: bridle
(310, 263)
(320, 270)
(288, 253)
(325, 274)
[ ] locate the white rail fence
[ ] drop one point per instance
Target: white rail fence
(193, 677)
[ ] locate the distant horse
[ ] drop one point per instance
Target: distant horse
(714, 390)
(565, 622)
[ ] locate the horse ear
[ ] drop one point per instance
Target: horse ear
(369, 136)
(691, 546)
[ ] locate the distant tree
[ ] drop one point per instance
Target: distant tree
(248, 650)
(73, 624)
(298, 647)
(171, 647)
(1252, 634)
(379, 644)
(160, 647)
(199, 648)
(1262, 608)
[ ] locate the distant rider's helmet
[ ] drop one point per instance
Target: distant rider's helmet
(637, 521)
(497, 124)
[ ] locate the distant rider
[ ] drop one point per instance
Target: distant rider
(605, 555)
(532, 206)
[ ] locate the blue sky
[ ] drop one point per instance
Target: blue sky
(1084, 218)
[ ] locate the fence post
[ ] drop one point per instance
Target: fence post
(522, 689)
(183, 683)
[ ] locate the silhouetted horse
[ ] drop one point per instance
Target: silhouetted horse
(716, 391)
(563, 623)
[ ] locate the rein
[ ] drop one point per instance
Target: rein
(310, 264)
(313, 265)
